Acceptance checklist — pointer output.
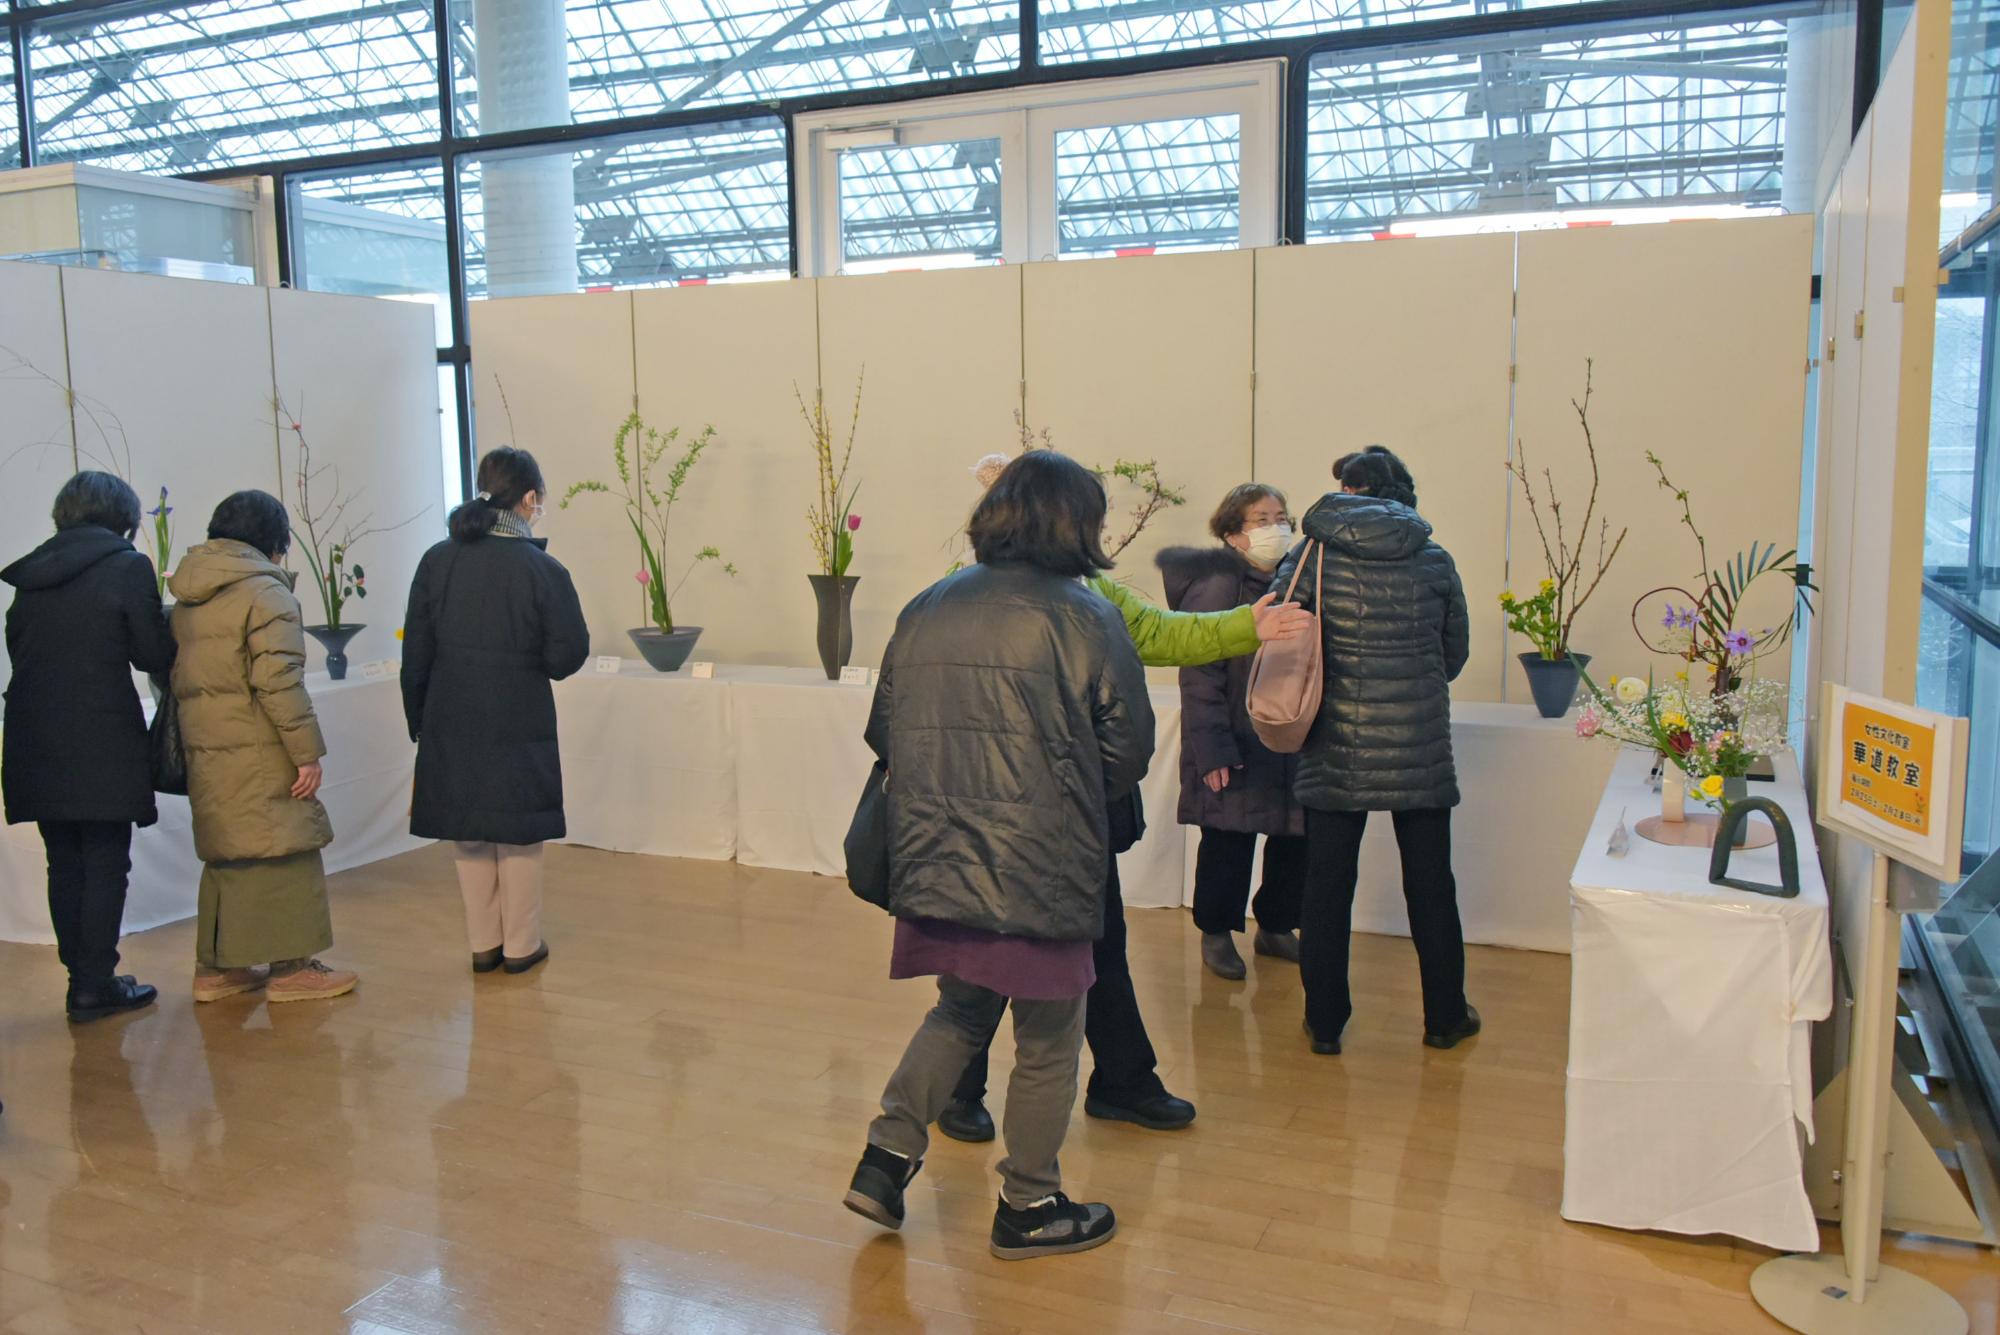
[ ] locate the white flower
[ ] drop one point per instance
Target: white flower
(987, 471)
(1631, 690)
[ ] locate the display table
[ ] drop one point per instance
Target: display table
(1690, 1016)
(369, 766)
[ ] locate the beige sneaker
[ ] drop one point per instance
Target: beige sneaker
(314, 982)
(215, 984)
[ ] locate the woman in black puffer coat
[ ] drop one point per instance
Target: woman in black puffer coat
(1233, 786)
(1393, 620)
(493, 619)
(86, 611)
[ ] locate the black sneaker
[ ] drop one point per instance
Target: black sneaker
(969, 1122)
(1459, 1035)
(1052, 1226)
(112, 997)
(877, 1190)
(1160, 1112)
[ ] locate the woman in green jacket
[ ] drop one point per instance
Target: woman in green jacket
(1125, 1085)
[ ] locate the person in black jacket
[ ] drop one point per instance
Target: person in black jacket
(1011, 713)
(1393, 621)
(86, 612)
(492, 620)
(1233, 786)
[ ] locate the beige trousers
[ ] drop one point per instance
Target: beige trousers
(502, 884)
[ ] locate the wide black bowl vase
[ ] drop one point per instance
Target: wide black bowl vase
(836, 620)
(1552, 681)
(665, 650)
(334, 640)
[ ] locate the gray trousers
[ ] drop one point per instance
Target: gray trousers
(1048, 1038)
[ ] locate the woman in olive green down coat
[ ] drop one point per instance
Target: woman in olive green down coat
(253, 752)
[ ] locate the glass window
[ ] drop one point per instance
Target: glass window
(1957, 370)
(1522, 131)
(702, 205)
(606, 59)
(448, 458)
(377, 233)
(10, 129)
(1150, 188)
(924, 206)
(200, 86)
(1972, 85)
(1073, 30)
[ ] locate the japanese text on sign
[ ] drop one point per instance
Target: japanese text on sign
(1886, 768)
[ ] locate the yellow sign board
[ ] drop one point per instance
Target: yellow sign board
(1886, 766)
(1893, 776)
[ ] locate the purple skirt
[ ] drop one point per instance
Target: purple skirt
(1013, 966)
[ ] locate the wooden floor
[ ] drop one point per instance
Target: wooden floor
(652, 1134)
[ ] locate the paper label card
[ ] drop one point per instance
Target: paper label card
(854, 676)
(374, 671)
(701, 671)
(610, 665)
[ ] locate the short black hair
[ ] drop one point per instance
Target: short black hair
(255, 517)
(102, 499)
(506, 476)
(1376, 472)
(1046, 510)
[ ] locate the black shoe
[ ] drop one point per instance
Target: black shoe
(1458, 1035)
(1218, 952)
(1054, 1226)
(1324, 1047)
(526, 962)
(123, 993)
(486, 961)
(877, 1190)
(1161, 1112)
(1277, 945)
(969, 1122)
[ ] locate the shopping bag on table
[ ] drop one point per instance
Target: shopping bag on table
(867, 842)
(1287, 676)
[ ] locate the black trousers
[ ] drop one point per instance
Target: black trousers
(88, 864)
(1424, 839)
(1121, 1054)
(1222, 881)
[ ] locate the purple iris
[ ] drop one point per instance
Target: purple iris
(1678, 618)
(162, 508)
(1737, 642)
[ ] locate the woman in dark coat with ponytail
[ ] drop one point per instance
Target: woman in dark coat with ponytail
(493, 620)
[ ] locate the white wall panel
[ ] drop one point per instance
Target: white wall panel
(942, 354)
(728, 356)
(37, 453)
(1146, 358)
(359, 375)
(565, 363)
(1407, 346)
(1698, 331)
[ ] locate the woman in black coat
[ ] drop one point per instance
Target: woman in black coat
(86, 611)
(1233, 786)
(493, 619)
(1393, 622)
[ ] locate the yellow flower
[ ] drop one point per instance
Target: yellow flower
(1678, 722)
(1548, 586)
(399, 632)
(1681, 675)
(1711, 787)
(1507, 598)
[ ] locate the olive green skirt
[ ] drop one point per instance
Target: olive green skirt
(262, 911)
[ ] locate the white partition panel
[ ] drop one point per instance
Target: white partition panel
(183, 369)
(1698, 331)
(1146, 358)
(1407, 346)
(359, 376)
(565, 364)
(942, 353)
(37, 452)
(728, 356)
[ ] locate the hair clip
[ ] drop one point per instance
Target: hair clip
(486, 496)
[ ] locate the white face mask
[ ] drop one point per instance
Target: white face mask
(1269, 544)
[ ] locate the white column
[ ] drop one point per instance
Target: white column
(530, 201)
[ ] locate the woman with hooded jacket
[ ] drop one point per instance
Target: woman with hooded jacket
(1395, 635)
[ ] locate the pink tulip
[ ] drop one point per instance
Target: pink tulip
(854, 523)
(644, 576)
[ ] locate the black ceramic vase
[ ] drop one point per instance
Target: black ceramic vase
(836, 620)
(1552, 681)
(334, 641)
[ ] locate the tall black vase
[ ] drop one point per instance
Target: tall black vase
(335, 643)
(836, 620)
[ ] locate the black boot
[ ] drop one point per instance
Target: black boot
(966, 1121)
(94, 1001)
(1053, 1226)
(1465, 1030)
(877, 1190)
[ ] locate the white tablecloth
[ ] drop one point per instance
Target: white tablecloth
(1690, 1016)
(369, 765)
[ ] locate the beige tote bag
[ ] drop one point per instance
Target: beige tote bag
(1287, 676)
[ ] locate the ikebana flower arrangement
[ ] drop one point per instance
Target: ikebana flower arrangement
(1701, 626)
(833, 525)
(1547, 618)
(650, 483)
(1141, 475)
(1709, 742)
(162, 540)
(330, 538)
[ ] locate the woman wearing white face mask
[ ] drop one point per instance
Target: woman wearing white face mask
(1232, 785)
